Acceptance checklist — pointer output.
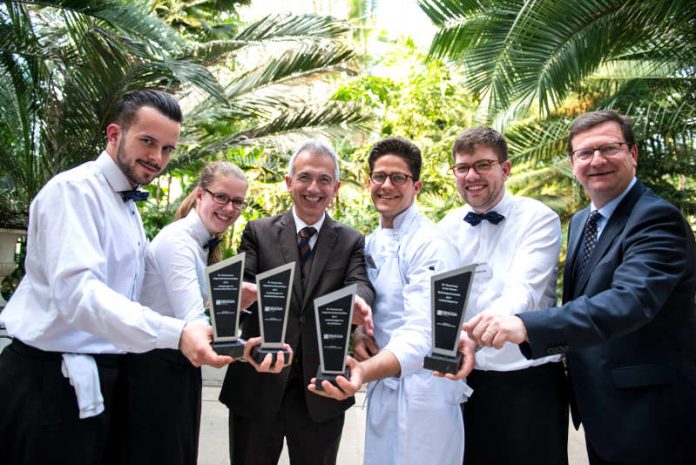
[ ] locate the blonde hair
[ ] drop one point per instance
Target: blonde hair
(205, 179)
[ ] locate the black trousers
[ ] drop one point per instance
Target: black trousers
(259, 441)
(517, 417)
(39, 417)
(164, 409)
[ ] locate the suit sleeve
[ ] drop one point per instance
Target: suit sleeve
(249, 246)
(356, 272)
(641, 270)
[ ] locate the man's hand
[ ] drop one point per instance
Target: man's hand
(348, 387)
(467, 348)
(362, 315)
(266, 365)
(495, 331)
(194, 343)
(249, 294)
(364, 346)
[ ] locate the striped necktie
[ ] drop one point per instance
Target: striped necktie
(306, 234)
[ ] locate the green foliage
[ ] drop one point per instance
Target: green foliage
(537, 65)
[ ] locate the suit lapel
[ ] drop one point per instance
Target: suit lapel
(326, 242)
(287, 239)
(614, 226)
(575, 230)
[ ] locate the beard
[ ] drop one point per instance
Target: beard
(129, 170)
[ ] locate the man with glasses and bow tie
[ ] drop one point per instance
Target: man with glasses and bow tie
(518, 412)
(75, 312)
(329, 256)
(413, 417)
(627, 323)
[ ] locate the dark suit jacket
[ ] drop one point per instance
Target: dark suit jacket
(628, 324)
(338, 261)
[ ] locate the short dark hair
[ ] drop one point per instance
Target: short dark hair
(400, 147)
(133, 101)
(469, 140)
(587, 121)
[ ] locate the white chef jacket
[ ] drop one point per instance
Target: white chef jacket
(175, 277)
(414, 418)
(519, 258)
(84, 269)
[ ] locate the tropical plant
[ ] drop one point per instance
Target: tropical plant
(553, 60)
(63, 66)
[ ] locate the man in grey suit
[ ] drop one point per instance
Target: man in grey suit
(628, 323)
(329, 256)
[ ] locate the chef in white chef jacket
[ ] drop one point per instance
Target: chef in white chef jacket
(413, 417)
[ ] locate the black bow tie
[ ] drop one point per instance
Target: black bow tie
(135, 195)
(212, 243)
(474, 218)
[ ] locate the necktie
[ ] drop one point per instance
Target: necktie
(305, 250)
(135, 195)
(212, 243)
(589, 240)
(492, 217)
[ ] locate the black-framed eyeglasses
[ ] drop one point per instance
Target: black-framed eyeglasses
(481, 166)
(398, 179)
(610, 150)
(223, 199)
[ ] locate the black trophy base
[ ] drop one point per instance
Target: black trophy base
(442, 363)
(258, 354)
(233, 348)
(330, 377)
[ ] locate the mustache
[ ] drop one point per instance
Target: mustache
(155, 166)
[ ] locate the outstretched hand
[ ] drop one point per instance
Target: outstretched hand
(346, 387)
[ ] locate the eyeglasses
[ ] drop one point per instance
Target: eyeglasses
(482, 166)
(223, 199)
(398, 179)
(606, 151)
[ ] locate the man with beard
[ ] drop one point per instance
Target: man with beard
(75, 312)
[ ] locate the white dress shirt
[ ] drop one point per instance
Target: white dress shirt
(175, 278)
(85, 266)
(299, 225)
(518, 260)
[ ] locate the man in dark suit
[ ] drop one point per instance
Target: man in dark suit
(628, 322)
(329, 255)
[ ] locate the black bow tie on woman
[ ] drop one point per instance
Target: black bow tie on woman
(135, 195)
(474, 218)
(212, 243)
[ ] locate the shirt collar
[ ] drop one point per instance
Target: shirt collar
(404, 218)
(197, 228)
(608, 209)
(502, 207)
(113, 174)
(299, 224)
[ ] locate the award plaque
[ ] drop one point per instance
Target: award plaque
(225, 292)
(449, 294)
(333, 314)
(274, 288)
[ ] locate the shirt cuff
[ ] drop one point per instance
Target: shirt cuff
(407, 356)
(170, 333)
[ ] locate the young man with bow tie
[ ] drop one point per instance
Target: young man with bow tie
(518, 412)
(75, 312)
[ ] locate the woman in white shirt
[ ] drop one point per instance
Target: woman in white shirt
(164, 389)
